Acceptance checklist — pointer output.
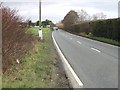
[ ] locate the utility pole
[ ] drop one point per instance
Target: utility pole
(39, 13)
(40, 28)
(119, 9)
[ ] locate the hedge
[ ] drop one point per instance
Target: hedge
(109, 28)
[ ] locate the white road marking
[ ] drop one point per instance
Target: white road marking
(67, 63)
(95, 49)
(79, 42)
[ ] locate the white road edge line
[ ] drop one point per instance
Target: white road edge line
(95, 49)
(70, 68)
(79, 42)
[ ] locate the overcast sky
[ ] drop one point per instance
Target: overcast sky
(55, 10)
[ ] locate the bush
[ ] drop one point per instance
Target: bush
(81, 28)
(102, 28)
(15, 41)
(107, 29)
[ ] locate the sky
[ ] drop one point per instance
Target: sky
(55, 10)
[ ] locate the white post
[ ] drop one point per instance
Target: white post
(40, 34)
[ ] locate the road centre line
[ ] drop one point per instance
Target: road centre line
(79, 42)
(96, 50)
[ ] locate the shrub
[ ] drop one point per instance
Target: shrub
(15, 41)
(107, 29)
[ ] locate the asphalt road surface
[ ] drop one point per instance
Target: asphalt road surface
(95, 63)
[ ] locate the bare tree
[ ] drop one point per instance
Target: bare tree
(14, 39)
(102, 15)
(94, 17)
(83, 16)
(98, 16)
(1, 4)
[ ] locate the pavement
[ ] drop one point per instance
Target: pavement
(94, 62)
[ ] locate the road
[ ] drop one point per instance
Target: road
(95, 63)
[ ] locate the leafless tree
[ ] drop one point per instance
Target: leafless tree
(83, 16)
(1, 4)
(14, 38)
(99, 16)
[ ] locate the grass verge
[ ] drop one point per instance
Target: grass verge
(106, 40)
(37, 67)
(101, 39)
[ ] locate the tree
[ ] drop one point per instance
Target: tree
(102, 15)
(14, 37)
(29, 23)
(33, 23)
(37, 23)
(70, 19)
(83, 16)
(94, 17)
(1, 4)
(47, 22)
(60, 24)
(99, 16)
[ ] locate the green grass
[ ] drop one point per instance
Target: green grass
(109, 41)
(101, 39)
(35, 69)
(1, 81)
(34, 31)
(105, 40)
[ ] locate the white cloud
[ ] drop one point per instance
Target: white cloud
(55, 10)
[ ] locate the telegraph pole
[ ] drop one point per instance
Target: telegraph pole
(40, 28)
(119, 9)
(39, 13)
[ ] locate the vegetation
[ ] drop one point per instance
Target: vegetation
(15, 42)
(28, 62)
(101, 39)
(45, 23)
(37, 67)
(106, 40)
(69, 20)
(107, 29)
(37, 23)
(93, 27)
